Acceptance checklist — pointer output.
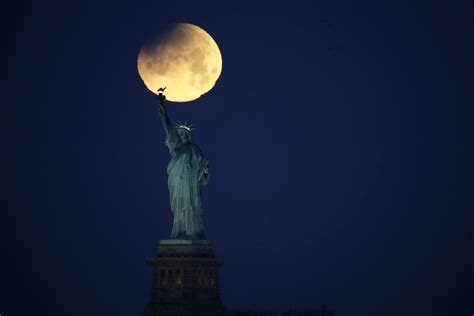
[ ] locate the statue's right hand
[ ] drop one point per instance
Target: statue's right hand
(160, 98)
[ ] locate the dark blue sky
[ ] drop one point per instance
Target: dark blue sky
(338, 134)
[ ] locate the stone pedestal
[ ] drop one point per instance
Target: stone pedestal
(185, 280)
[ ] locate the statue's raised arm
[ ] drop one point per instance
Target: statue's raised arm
(164, 114)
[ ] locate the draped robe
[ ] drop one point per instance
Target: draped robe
(187, 172)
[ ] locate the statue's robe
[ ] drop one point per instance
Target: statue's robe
(185, 177)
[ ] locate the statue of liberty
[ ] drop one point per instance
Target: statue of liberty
(187, 171)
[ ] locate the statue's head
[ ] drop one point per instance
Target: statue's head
(185, 132)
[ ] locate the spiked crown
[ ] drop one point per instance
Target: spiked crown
(188, 128)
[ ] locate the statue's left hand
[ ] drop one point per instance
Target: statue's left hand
(203, 174)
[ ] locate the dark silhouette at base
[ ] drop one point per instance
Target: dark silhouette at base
(184, 281)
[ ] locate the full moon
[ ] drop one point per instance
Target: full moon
(184, 59)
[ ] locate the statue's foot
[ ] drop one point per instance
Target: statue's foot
(182, 235)
(178, 236)
(199, 236)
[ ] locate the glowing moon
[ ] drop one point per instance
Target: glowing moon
(184, 59)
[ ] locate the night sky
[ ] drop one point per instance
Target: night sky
(338, 134)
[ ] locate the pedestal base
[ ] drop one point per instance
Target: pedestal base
(185, 280)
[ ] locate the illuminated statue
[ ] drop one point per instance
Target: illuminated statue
(187, 171)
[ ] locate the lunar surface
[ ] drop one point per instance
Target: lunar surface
(184, 59)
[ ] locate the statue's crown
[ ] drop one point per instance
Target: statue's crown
(186, 127)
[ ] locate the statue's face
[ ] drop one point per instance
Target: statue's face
(184, 136)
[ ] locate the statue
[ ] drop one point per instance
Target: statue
(188, 171)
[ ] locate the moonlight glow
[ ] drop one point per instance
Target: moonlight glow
(184, 59)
